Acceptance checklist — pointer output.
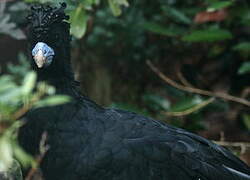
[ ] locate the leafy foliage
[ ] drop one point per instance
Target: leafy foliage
(186, 103)
(217, 5)
(158, 29)
(116, 5)
(156, 102)
(7, 27)
(209, 35)
(18, 95)
(246, 120)
(78, 19)
(176, 15)
(79, 10)
(166, 33)
(244, 68)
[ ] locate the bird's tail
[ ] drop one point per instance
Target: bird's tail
(237, 174)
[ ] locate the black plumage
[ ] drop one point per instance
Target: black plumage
(89, 142)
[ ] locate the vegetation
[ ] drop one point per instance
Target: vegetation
(19, 93)
(199, 45)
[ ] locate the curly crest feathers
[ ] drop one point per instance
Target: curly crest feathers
(46, 15)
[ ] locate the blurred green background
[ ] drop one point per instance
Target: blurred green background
(202, 44)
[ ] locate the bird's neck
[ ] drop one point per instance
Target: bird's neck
(65, 86)
(62, 78)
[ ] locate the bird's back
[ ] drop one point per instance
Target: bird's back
(90, 142)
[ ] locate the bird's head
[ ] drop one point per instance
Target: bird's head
(49, 39)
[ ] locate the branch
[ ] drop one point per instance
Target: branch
(196, 90)
(26, 107)
(191, 110)
(183, 79)
(43, 149)
(21, 112)
(242, 145)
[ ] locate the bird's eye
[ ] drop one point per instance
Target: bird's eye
(44, 51)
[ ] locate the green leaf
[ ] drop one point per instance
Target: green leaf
(15, 171)
(7, 27)
(244, 68)
(194, 107)
(156, 102)
(177, 15)
(78, 20)
(18, 6)
(11, 96)
(29, 83)
(52, 101)
(6, 111)
(243, 46)
(158, 29)
(185, 103)
(5, 79)
(115, 6)
(5, 153)
(210, 35)
(87, 4)
(42, 1)
(96, 2)
(24, 158)
(12, 129)
(23, 67)
(219, 5)
(44, 88)
(246, 121)
(6, 84)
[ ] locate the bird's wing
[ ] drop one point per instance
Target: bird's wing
(166, 152)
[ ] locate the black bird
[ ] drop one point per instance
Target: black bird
(89, 142)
